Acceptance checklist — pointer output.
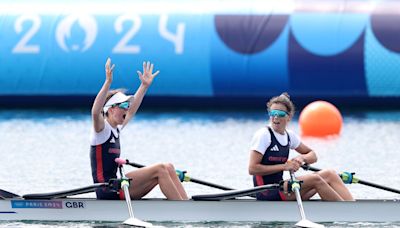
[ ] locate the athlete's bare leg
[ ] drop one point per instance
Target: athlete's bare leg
(333, 179)
(177, 182)
(313, 183)
(146, 178)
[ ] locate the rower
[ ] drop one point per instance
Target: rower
(111, 112)
(269, 155)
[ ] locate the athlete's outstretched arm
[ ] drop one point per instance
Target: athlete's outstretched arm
(97, 108)
(146, 79)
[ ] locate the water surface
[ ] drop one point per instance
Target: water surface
(48, 150)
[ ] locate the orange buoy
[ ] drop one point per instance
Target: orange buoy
(319, 119)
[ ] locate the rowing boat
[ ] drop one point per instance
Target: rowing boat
(229, 206)
(87, 209)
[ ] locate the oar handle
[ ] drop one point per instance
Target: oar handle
(307, 167)
(134, 164)
(186, 178)
(356, 180)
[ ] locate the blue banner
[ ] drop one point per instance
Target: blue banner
(232, 49)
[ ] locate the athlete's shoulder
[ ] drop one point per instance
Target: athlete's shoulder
(262, 132)
(294, 138)
(100, 137)
(291, 133)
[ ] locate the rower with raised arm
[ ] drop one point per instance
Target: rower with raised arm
(269, 155)
(111, 111)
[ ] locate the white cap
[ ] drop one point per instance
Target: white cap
(116, 99)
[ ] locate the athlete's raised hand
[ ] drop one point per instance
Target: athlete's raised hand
(109, 70)
(147, 76)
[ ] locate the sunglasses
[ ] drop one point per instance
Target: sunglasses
(124, 105)
(277, 113)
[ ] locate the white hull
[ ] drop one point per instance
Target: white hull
(76, 209)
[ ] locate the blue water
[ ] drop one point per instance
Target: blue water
(48, 150)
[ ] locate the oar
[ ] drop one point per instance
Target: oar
(303, 222)
(234, 193)
(7, 195)
(348, 178)
(132, 221)
(65, 193)
(184, 177)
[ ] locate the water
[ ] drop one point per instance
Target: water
(48, 150)
(193, 225)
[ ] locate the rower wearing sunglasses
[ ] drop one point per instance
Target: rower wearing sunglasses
(269, 155)
(111, 111)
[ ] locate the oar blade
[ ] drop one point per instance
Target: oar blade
(137, 222)
(307, 223)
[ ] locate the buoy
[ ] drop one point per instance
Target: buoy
(320, 119)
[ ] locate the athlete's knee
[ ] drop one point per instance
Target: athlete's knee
(170, 167)
(162, 169)
(332, 173)
(316, 180)
(329, 175)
